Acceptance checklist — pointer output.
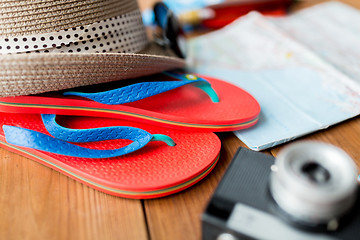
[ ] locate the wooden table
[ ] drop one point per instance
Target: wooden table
(37, 202)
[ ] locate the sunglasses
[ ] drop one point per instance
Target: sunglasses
(169, 32)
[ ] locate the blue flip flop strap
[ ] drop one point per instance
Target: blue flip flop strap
(60, 144)
(93, 134)
(144, 90)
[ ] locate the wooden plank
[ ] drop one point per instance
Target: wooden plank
(178, 217)
(39, 203)
(305, 3)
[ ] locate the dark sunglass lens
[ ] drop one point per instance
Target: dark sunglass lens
(167, 21)
(172, 32)
(161, 11)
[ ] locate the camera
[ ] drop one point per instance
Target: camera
(310, 191)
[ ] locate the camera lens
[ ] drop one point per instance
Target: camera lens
(315, 172)
(314, 183)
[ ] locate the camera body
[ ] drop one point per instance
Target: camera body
(243, 207)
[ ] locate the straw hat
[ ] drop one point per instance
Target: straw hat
(48, 45)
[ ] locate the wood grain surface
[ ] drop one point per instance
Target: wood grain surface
(37, 202)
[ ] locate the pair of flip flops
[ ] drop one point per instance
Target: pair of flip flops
(129, 141)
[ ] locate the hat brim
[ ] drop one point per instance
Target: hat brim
(24, 74)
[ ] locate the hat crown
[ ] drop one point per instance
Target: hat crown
(28, 17)
(69, 26)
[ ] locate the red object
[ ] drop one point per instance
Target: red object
(186, 108)
(228, 11)
(154, 171)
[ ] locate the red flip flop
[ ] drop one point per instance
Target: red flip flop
(155, 170)
(193, 103)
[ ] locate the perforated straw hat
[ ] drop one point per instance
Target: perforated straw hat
(48, 45)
